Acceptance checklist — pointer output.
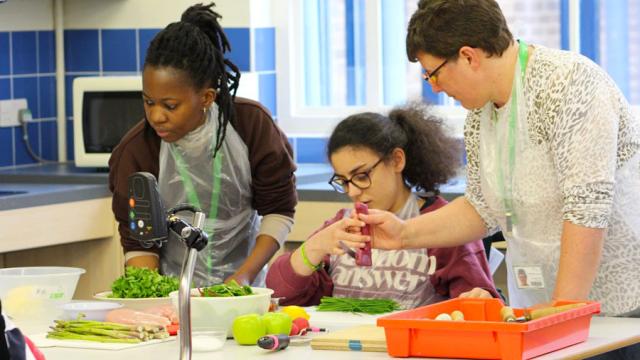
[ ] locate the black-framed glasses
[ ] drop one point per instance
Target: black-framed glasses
(433, 77)
(361, 180)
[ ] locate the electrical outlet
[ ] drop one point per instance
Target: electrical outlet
(9, 110)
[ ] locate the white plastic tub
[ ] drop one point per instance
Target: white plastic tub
(33, 296)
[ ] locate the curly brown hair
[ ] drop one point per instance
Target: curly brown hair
(432, 156)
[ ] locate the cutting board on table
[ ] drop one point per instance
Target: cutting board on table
(359, 338)
(42, 341)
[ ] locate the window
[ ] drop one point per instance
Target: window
(345, 56)
(616, 44)
(338, 57)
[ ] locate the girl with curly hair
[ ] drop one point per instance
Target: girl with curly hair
(393, 163)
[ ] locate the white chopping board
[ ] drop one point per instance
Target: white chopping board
(334, 320)
(42, 341)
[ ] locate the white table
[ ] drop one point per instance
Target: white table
(605, 334)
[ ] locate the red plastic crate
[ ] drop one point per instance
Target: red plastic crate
(483, 334)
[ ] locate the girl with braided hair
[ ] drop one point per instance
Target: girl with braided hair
(378, 160)
(222, 154)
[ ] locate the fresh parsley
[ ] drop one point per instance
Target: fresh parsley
(143, 283)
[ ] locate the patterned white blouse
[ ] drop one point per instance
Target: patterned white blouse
(582, 165)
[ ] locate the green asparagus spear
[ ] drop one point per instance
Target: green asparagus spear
(65, 335)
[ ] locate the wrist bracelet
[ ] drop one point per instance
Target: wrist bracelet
(306, 261)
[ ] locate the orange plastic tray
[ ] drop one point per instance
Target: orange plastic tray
(483, 334)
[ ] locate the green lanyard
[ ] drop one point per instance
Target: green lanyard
(505, 179)
(192, 196)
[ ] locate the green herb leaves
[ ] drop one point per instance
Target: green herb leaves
(226, 290)
(143, 283)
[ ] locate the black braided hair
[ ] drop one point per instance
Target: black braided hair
(432, 156)
(196, 45)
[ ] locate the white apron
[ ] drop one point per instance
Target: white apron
(508, 160)
(187, 171)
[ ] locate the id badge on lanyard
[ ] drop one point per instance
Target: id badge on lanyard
(505, 175)
(529, 277)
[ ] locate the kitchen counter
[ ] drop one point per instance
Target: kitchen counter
(605, 334)
(47, 184)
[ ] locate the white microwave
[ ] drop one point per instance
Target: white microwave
(104, 109)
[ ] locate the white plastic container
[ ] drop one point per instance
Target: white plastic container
(32, 296)
(220, 311)
(92, 310)
(204, 339)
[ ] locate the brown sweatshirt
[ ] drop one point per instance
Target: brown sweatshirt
(270, 157)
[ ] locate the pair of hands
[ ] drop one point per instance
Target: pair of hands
(241, 278)
(386, 226)
(387, 234)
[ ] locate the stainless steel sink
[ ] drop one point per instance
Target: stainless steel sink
(4, 193)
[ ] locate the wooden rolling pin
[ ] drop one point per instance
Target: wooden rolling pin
(507, 314)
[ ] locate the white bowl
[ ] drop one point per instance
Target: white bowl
(134, 304)
(92, 310)
(32, 296)
(220, 311)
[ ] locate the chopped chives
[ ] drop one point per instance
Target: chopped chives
(367, 306)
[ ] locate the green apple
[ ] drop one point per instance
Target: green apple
(277, 323)
(247, 329)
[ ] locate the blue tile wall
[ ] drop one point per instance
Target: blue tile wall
(27, 87)
(49, 139)
(4, 54)
(265, 65)
(46, 52)
(119, 50)
(144, 39)
(5, 89)
(47, 97)
(24, 54)
(240, 41)
(27, 67)
(311, 150)
(265, 49)
(6, 147)
(267, 92)
(81, 52)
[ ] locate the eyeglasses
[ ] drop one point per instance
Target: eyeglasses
(433, 77)
(360, 180)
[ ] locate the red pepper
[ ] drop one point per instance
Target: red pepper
(172, 329)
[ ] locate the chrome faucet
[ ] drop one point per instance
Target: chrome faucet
(150, 224)
(186, 275)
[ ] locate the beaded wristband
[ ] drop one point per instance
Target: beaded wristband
(306, 261)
